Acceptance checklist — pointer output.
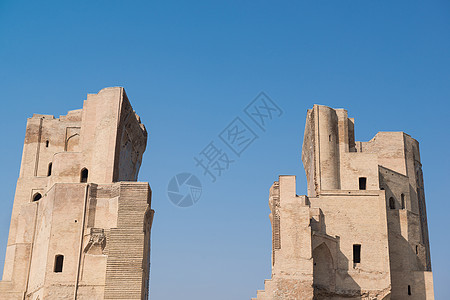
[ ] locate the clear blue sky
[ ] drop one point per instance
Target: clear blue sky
(190, 67)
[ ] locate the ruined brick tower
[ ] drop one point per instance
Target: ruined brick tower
(361, 233)
(80, 225)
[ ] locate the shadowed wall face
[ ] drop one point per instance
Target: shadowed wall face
(324, 275)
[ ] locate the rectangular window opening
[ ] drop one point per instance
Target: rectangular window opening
(362, 183)
(356, 253)
(409, 290)
(59, 260)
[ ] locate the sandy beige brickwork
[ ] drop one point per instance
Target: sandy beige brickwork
(80, 225)
(361, 233)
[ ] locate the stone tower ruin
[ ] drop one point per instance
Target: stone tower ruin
(80, 225)
(361, 233)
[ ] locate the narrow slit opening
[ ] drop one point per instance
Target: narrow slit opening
(356, 253)
(59, 261)
(84, 175)
(362, 183)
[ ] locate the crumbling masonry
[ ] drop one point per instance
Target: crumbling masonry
(361, 233)
(80, 225)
